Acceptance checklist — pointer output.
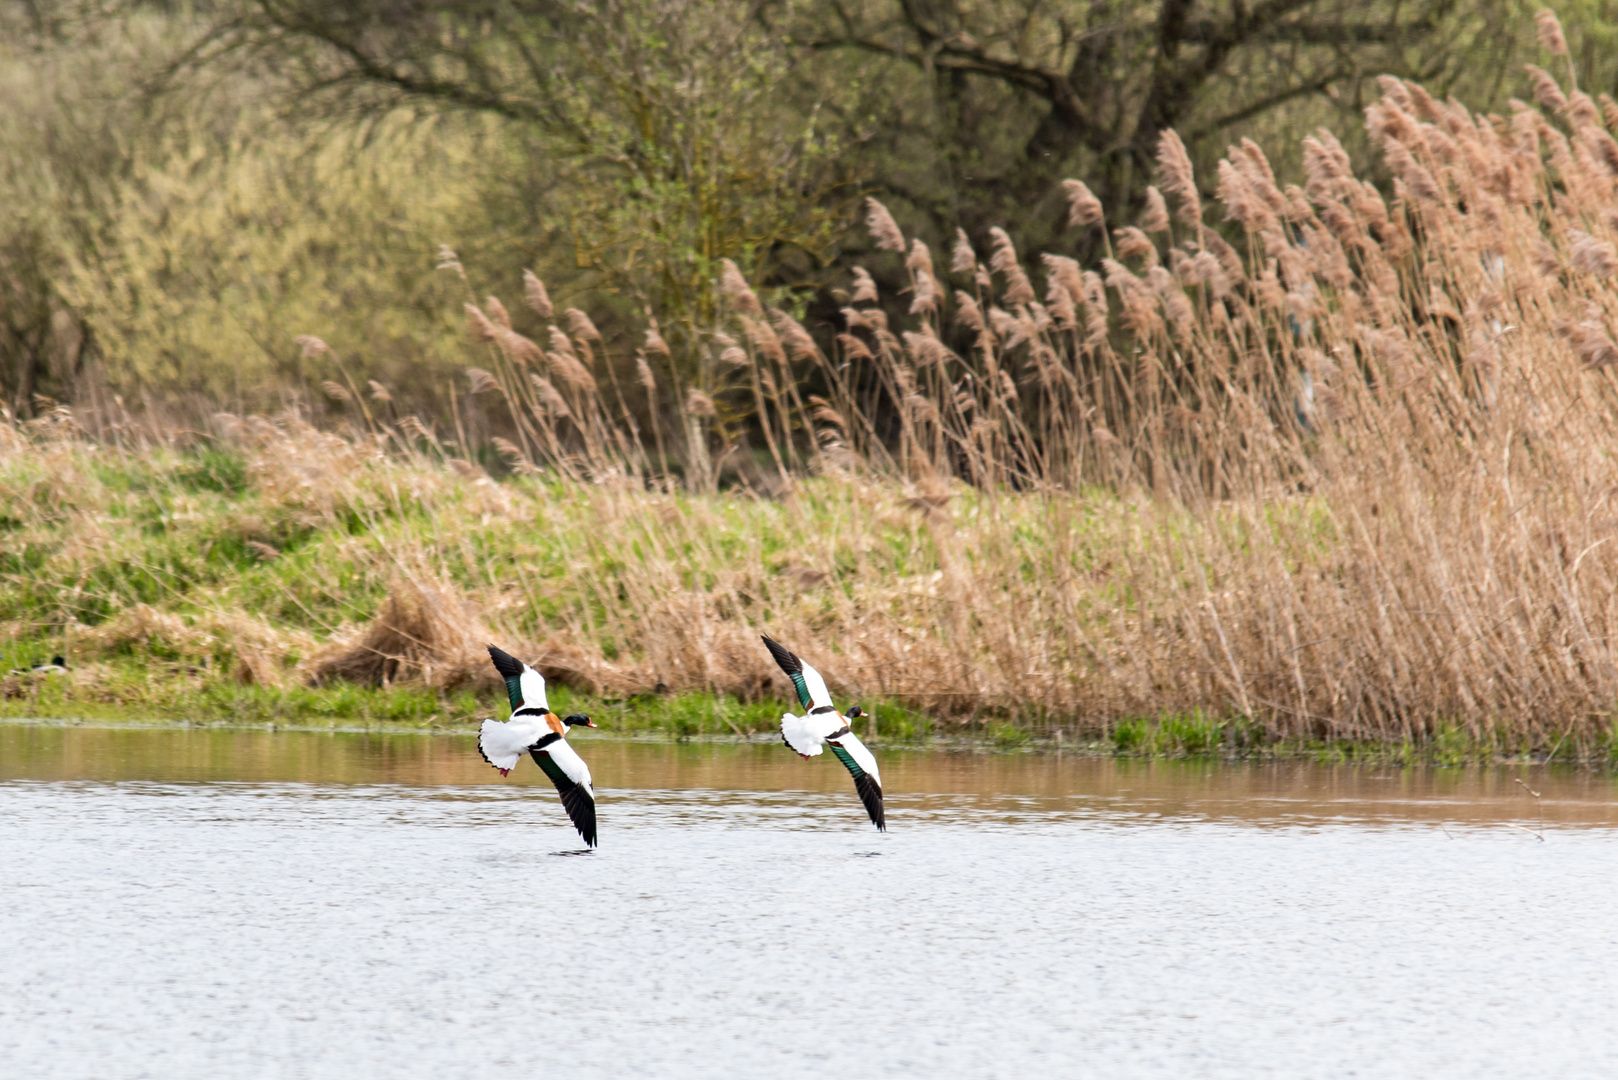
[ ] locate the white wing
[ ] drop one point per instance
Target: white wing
(503, 742)
(818, 694)
(533, 689)
(572, 764)
(862, 757)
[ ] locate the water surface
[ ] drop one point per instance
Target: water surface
(252, 904)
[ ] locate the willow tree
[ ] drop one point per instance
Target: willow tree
(657, 138)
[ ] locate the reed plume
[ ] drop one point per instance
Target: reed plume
(1083, 208)
(884, 230)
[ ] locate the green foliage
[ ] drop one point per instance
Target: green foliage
(146, 687)
(1009, 736)
(1449, 744)
(1192, 734)
(177, 218)
(208, 469)
(897, 723)
(1131, 737)
(688, 147)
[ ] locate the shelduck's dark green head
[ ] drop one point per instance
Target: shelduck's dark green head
(855, 713)
(578, 719)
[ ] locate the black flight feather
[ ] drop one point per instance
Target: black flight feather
(580, 807)
(505, 663)
(870, 793)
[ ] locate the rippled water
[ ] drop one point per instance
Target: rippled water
(239, 904)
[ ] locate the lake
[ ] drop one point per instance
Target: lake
(232, 904)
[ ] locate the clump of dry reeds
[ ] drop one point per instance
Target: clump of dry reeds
(1350, 475)
(426, 631)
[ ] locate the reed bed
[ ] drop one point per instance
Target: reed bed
(1350, 478)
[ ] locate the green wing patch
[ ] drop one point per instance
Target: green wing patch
(552, 770)
(510, 669)
(803, 688)
(848, 761)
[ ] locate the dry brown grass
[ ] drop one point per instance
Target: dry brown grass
(1354, 480)
(426, 631)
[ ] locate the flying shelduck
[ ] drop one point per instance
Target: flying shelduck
(535, 730)
(822, 725)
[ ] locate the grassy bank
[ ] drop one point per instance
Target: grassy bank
(296, 578)
(292, 578)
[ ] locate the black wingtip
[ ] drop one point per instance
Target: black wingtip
(576, 800)
(870, 793)
(581, 810)
(506, 664)
(783, 656)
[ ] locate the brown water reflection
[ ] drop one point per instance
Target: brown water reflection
(918, 780)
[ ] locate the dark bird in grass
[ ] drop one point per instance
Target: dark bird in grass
(57, 666)
(536, 731)
(822, 725)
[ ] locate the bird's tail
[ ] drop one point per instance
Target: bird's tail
(798, 733)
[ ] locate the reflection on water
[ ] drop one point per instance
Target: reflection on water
(917, 782)
(211, 904)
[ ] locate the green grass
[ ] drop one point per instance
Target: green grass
(136, 692)
(1193, 734)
